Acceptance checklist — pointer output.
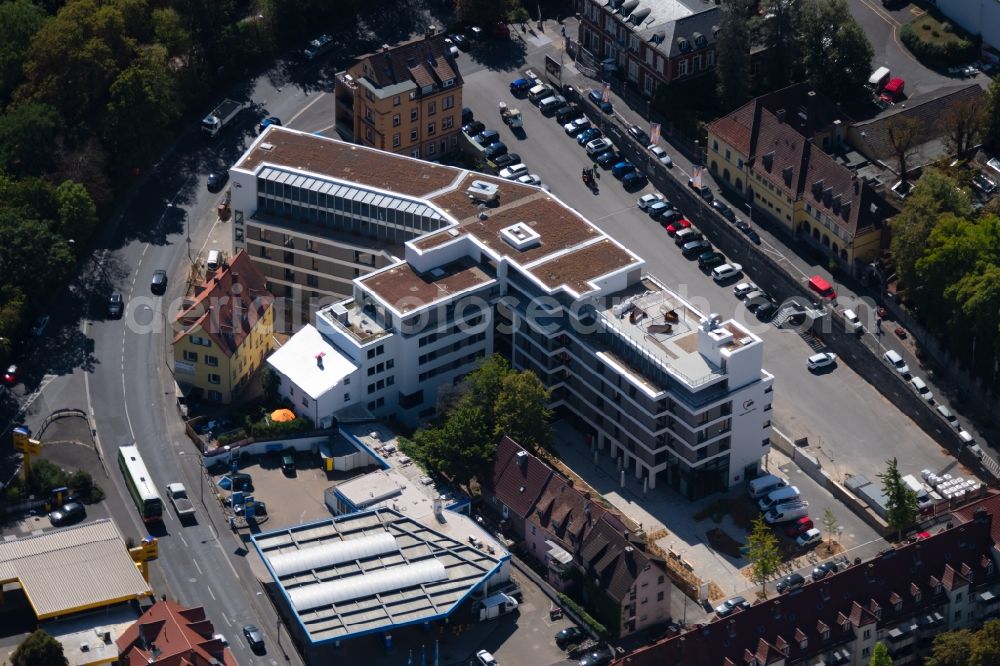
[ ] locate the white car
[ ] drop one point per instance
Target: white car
(725, 272)
(809, 538)
(574, 127)
(921, 388)
(661, 155)
(743, 288)
(485, 658)
(514, 171)
(530, 179)
(598, 146)
(852, 320)
(821, 360)
(647, 200)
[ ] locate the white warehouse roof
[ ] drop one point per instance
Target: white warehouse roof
(297, 360)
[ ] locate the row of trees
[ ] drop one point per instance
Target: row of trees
(967, 648)
(947, 258)
(495, 401)
(817, 41)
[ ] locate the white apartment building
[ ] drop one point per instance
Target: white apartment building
(676, 395)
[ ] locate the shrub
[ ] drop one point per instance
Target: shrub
(231, 436)
(954, 52)
(924, 26)
(935, 33)
(83, 486)
(267, 428)
(948, 27)
(594, 625)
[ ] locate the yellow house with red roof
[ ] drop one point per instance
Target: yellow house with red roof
(224, 331)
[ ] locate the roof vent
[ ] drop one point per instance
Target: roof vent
(438, 273)
(780, 113)
(522, 459)
(267, 146)
(520, 236)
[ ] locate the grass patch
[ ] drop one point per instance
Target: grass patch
(936, 42)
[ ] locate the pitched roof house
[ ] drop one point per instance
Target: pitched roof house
(516, 481)
(902, 597)
(169, 634)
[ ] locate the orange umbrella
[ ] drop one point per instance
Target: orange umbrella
(281, 415)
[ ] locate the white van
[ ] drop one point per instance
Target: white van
(763, 485)
(949, 417)
(852, 320)
(878, 79)
(786, 512)
(967, 440)
(896, 361)
(779, 496)
(214, 260)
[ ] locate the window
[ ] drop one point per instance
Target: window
(447, 122)
(369, 114)
(214, 379)
(395, 120)
(958, 597)
(868, 634)
(449, 102)
(347, 397)
(395, 140)
(395, 100)
(371, 388)
(212, 361)
(191, 356)
(958, 615)
(413, 115)
(347, 381)
(659, 596)
(305, 402)
(312, 280)
(866, 652)
(431, 127)
(413, 137)
(682, 68)
(431, 108)
(431, 149)
(214, 395)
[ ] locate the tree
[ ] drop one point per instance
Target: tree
(77, 214)
(880, 655)
(484, 12)
(732, 54)
(901, 502)
(462, 448)
(486, 382)
(780, 35)
(763, 553)
(964, 122)
(903, 133)
(967, 648)
(39, 649)
(830, 525)
(19, 21)
(836, 53)
(991, 115)
(521, 411)
(27, 138)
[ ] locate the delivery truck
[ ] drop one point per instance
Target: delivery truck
(179, 498)
(221, 116)
(496, 605)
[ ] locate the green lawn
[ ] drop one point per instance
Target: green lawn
(933, 31)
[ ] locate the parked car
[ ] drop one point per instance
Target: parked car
(729, 605)
(530, 179)
(949, 417)
(821, 360)
(767, 310)
(710, 259)
(254, 636)
(607, 159)
(318, 47)
(634, 181)
(661, 155)
(10, 377)
(743, 288)
(598, 146)
(569, 636)
(486, 659)
(800, 526)
(696, 248)
(724, 210)
(576, 126)
(514, 171)
(896, 361)
(658, 208)
(460, 41)
(216, 180)
(494, 150)
(726, 272)
(116, 304)
(158, 285)
(473, 128)
(636, 133)
(486, 137)
(647, 200)
(597, 97)
(519, 87)
(809, 539)
(600, 657)
(619, 170)
(920, 386)
(67, 514)
(676, 218)
(505, 160)
(790, 582)
(823, 570)
(704, 191)
(588, 135)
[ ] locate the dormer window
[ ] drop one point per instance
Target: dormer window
(918, 596)
(804, 643)
(938, 588)
(989, 568)
(898, 606)
(846, 625)
(826, 634)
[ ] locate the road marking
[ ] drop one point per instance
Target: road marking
(195, 562)
(306, 108)
(225, 618)
(211, 594)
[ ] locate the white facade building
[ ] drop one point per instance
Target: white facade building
(677, 395)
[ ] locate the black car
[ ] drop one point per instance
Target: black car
(467, 116)
(753, 236)
(755, 302)
(608, 159)
(767, 310)
(460, 41)
(597, 97)
(567, 113)
(506, 160)
(696, 248)
(704, 191)
(600, 657)
(569, 636)
(473, 128)
(790, 582)
(486, 137)
(670, 216)
(116, 304)
(254, 636)
(158, 285)
(67, 514)
(687, 237)
(636, 133)
(711, 259)
(494, 150)
(724, 210)
(824, 570)
(216, 180)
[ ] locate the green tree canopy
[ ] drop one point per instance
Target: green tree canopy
(991, 120)
(880, 655)
(462, 447)
(27, 138)
(485, 12)
(967, 648)
(781, 36)
(19, 21)
(763, 553)
(521, 411)
(836, 53)
(39, 649)
(732, 54)
(901, 502)
(77, 217)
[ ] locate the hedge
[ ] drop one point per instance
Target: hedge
(960, 53)
(594, 625)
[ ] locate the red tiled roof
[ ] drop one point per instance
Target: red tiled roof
(991, 503)
(228, 305)
(856, 594)
(566, 512)
(735, 128)
(182, 636)
(423, 60)
(517, 481)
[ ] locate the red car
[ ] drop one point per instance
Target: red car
(800, 526)
(10, 377)
(677, 225)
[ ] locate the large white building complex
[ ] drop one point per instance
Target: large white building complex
(677, 395)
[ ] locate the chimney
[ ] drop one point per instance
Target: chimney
(522, 459)
(431, 30)
(780, 113)
(319, 360)
(777, 610)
